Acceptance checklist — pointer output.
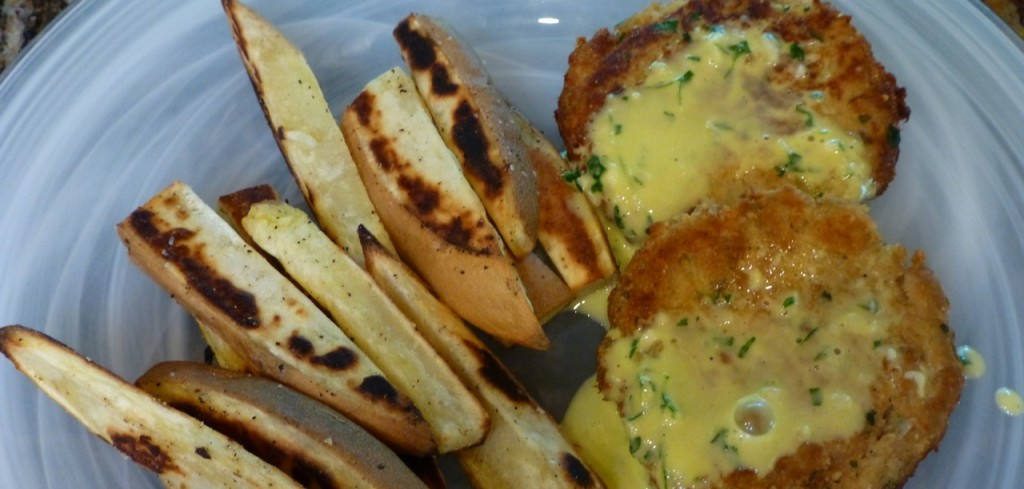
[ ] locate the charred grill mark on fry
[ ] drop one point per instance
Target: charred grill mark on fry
(441, 81)
(468, 135)
(576, 471)
(340, 358)
(291, 462)
(238, 304)
(144, 452)
(385, 155)
(238, 203)
(299, 345)
(377, 387)
(363, 107)
(498, 376)
(425, 199)
(422, 54)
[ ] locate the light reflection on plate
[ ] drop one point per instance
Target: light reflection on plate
(119, 98)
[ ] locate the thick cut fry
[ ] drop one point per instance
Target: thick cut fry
(180, 449)
(524, 447)
(313, 443)
(368, 316)
(570, 231)
(477, 124)
(195, 255)
(438, 223)
(304, 128)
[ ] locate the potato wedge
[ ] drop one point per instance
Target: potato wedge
(476, 123)
(180, 449)
(570, 231)
(368, 316)
(304, 128)
(524, 447)
(314, 444)
(192, 253)
(438, 223)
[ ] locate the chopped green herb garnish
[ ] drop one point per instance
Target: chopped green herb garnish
(809, 117)
(807, 336)
(893, 137)
(720, 435)
(634, 444)
(693, 57)
(668, 25)
(573, 177)
(645, 382)
(816, 396)
(826, 295)
(823, 354)
(618, 218)
(682, 80)
(632, 346)
(670, 115)
(719, 297)
(739, 49)
(683, 322)
(596, 169)
(617, 129)
(725, 340)
(876, 343)
(720, 438)
(722, 126)
(792, 164)
(796, 52)
(746, 346)
(963, 359)
(789, 301)
(668, 403)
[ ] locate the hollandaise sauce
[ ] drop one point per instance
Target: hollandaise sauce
(718, 389)
(707, 117)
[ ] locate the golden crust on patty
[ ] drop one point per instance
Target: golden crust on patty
(811, 249)
(858, 93)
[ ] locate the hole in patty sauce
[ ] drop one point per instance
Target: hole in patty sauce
(754, 417)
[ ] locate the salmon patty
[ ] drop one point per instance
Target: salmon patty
(708, 99)
(779, 342)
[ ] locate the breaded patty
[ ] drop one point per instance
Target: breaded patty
(782, 343)
(756, 94)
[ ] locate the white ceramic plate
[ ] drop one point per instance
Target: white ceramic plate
(119, 98)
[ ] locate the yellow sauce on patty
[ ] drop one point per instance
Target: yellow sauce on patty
(712, 115)
(721, 389)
